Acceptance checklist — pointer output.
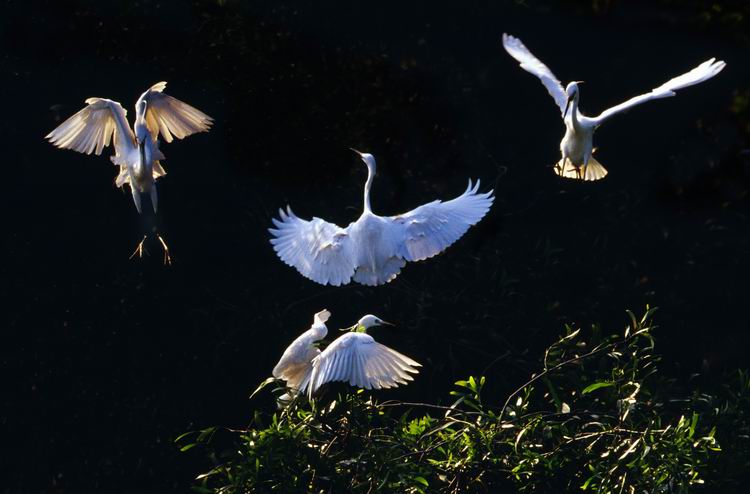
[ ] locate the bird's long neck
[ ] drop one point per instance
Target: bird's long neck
(368, 185)
(319, 332)
(142, 163)
(573, 113)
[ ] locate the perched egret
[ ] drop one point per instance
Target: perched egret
(295, 365)
(373, 249)
(137, 155)
(354, 357)
(358, 359)
(576, 146)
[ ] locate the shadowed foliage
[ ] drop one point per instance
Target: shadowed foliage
(596, 417)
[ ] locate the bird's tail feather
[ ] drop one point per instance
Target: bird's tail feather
(384, 273)
(591, 172)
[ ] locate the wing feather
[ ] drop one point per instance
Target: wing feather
(92, 128)
(319, 250)
(701, 73)
(533, 65)
(169, 116)
(358, 359)
(431, 228)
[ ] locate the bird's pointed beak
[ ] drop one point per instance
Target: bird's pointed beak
(360, 154)
(387, 323)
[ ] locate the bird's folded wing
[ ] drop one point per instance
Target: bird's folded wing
(703, 72)
(295, 368)
(319, 250)
(358, 359)
(170, 116)
(530, 63)
(91, 129)
(429, 229)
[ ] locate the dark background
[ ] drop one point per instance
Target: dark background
(106, 360)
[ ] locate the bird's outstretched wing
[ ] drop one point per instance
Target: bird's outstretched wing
(431, 228)
(91, 129)
(319, 250)
(530, 63)
(170, 116)
(701, 73)
(358, 359)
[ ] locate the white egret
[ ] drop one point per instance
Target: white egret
(373, 249)
(137, 155)
(577, 144)
(356, 358)
(295, 364)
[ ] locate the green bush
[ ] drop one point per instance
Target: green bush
(597, 417)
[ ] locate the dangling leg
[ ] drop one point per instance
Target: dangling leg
(139, 249)
(154, 198)
(167, 257)
(136, 195)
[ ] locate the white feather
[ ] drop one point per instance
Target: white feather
(703, 72)
(358, 359)
(295, 365)
(533, 65)
(169, 116)
(373, 249)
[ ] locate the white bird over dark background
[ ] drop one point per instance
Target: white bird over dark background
(373, 249)
(354, 357)
(577, 144)
(295, 365)
(137, 154)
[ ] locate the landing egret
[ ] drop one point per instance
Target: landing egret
(91, 129)
(358, 359)
(373, 249)
(577, 144)
(295, 365)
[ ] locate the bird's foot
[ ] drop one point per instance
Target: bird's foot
(139, 249)
(167, 257)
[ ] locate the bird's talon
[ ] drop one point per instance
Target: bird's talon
(167, 257)
(139, 249)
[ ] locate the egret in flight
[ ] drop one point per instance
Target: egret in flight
(354, 357)
(576, 146)
(136, 153)
(373, 249)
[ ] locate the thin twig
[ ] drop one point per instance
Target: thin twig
(593, 352)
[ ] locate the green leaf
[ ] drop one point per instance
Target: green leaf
(263, 385)
(422, 481)
(593, 387)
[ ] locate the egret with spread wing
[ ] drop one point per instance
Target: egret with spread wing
(137, 154)
(577, 144)
(354, 357)
(373, 249)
